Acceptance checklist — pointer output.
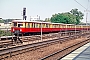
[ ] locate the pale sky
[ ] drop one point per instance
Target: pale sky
(43, 8)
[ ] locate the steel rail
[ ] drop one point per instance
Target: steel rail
(48, 56)
(10, 51)
(33, 45)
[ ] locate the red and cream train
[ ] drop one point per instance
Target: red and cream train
(31, 27)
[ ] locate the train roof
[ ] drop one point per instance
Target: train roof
(39, 22)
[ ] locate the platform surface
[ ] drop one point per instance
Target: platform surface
(82, 53)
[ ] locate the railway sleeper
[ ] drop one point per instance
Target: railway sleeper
(29, 49)
(5, 45)
(72, 51)
(12, 53)
(62, 50)
(5, 56)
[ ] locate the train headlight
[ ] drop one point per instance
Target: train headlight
(13, 29)
(20, 29)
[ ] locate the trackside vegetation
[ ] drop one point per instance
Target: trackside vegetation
(72, 17)
(5, 33)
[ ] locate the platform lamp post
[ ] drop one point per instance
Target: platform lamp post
(7, 28)
(86, 21)
(41, 28)
(75, 31)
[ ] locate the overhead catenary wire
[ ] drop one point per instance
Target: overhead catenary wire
(80, 4)
(85, 9)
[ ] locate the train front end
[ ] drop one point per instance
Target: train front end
(17, 27)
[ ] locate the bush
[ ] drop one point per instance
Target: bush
(5, 33)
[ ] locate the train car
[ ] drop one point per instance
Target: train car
(34, 27)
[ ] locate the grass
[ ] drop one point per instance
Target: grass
(5, 33)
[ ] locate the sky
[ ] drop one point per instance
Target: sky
(44, 8)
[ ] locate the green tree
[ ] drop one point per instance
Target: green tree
(47, 20)
(1, 21)
(66, 18)
(79, 15)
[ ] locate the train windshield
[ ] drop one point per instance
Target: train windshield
(20, 25)
(17, 24)
(14, 23)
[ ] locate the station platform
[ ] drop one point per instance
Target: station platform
(82, 53)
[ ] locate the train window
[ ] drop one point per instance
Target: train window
(59, 26)
(67, 26)
(28, 25)
(39, 25)
(43, 25)
(36, 25)
(20, 25)
(71, 26)
(63, 26)
(50, 25)
(33, 25)
(15, 23)
(46, 25)
(25, 25)
(54, 26)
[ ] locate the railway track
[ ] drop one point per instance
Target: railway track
(9, 41)
(62, 53)
(29, 47)
(10, 51)
(35, 38)
(41, 51)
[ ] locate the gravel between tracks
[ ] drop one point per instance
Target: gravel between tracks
(39, 53)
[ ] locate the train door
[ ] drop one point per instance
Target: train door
(14, 24)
